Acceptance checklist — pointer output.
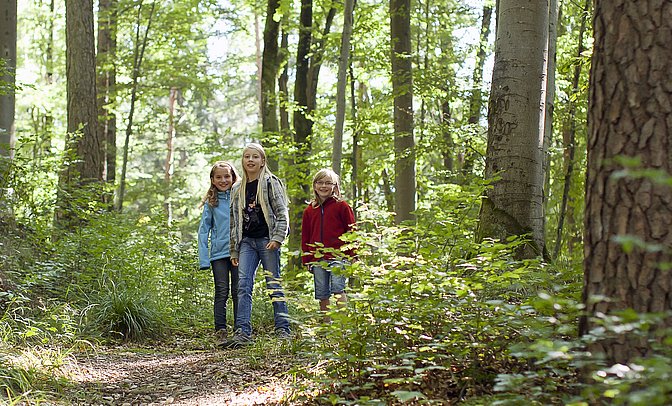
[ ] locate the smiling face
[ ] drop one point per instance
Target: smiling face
(222, 178)
(324, 187)
(253, 161)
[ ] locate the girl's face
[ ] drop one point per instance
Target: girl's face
(324, 187)
(252, 163)
(222, 178)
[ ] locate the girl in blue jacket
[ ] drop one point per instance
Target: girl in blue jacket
(215, 230)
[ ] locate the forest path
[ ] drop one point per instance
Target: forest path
(175, 375)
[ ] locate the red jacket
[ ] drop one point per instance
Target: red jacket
(325, 224)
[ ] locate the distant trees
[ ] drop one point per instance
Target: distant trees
(516, 150)
(628, 212)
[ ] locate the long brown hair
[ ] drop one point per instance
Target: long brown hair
(211, 195)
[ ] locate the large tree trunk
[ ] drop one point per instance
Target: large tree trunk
(81, 78)
(83, 147)
(107, 80)
(629, 116)
(515, 152)
(343, 65)
(402, 88)
(7, 99)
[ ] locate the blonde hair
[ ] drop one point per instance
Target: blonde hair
(333, 176)
(211, 195)
(240, 193)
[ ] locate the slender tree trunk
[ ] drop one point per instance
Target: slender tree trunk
(45, 139)
(476, 99)
(269, 74)
(107, 49)
(342, 85)
(283, 88)
(169, 166)
(629, 116)
(8, 20)
(402, 88)
(356, 148)
(515, 152)
(569, 133)
(139, 52)
(259, 62)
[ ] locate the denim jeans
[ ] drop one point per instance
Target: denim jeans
(327, 282)
(226, 275)
(253, 251)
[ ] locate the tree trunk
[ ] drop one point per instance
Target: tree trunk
(569, 135)
(169, 166)
(342, 84)
(476, 99)
(402, 88)
(515, 152)
(308, 62)
(629, 116)
(139, 53)
(107, 80)
(7, 81)
(81, 77)
(269, 73)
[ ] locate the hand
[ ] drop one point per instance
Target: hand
(234, 261)
(272, 245)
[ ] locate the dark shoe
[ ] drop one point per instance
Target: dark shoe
(237, 341)
(283, 335)
(220, 336)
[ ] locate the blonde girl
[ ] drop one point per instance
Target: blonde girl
(259, 226)
(325, 220)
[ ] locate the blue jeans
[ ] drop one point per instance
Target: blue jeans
(327, 282)
(222, 270)
(253, 251)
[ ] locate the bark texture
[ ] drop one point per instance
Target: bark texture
(269, 70)
(402, 88)
(107, 81)
(81, 89)
(630, 115)
(515, 152)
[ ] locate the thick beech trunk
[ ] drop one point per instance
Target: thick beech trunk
(515, 152)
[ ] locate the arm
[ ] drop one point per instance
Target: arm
(278, 203)
(349, 222)
(203, 236)
(306, 226)
(234, 221)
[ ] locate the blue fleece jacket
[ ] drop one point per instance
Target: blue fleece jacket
(215, 229)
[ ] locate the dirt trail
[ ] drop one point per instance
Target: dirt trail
(133, 376)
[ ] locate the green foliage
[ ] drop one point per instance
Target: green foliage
(120, 312)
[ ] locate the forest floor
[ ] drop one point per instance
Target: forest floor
(183, 372)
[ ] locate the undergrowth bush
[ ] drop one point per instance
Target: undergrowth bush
(433, 313)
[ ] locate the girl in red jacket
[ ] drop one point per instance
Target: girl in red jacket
(326, 218)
